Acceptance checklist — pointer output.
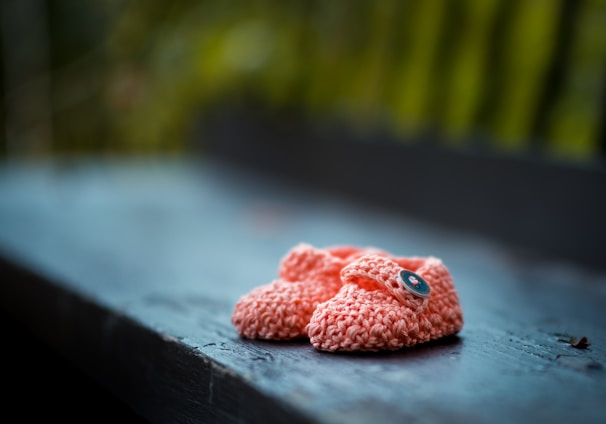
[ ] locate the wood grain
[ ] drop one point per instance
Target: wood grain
(131, 270)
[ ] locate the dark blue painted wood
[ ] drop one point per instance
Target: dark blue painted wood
(131, 270)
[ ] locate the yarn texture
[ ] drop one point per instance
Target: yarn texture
(372, 311)
(281, 310)
(347, 298)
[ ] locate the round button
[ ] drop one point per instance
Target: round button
(414, 283)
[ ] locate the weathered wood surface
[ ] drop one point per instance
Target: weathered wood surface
(131, 271)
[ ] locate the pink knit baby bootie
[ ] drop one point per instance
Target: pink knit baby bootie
(281, 309)
(387, 304)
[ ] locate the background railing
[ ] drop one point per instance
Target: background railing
(511, 76)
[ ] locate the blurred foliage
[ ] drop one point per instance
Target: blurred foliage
(137, 76)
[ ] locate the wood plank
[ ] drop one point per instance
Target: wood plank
(131, 270)
(39, 382)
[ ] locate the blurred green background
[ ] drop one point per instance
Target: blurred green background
(137, 77)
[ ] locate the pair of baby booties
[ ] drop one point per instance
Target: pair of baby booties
(347, 299)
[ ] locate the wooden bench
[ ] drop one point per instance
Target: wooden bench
(130, 270)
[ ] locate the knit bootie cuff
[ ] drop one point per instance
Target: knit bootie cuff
(378, 272)
(305, 262)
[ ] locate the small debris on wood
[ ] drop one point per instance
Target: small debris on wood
(581, 343)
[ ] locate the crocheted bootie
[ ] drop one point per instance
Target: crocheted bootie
(281, 309)
(387, 304)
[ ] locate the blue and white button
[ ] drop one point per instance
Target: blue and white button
(414, 283)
